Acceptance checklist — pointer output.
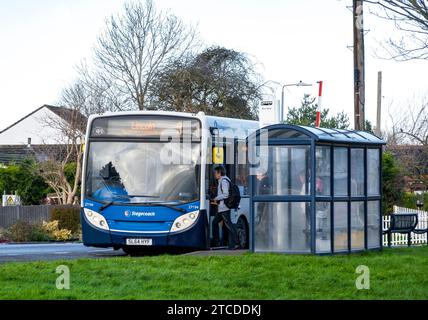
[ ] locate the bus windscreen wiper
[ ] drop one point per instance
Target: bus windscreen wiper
(173, 207)
(167, 206)
(141, 196)
(108, 204)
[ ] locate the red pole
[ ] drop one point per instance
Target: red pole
(318, 117)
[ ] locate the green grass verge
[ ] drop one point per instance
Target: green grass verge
(394, 274)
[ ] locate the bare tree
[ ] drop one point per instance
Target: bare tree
(410, 17)
(408, 140)
(100, 92)
(135, 46)
(410, 125)
(68, 148)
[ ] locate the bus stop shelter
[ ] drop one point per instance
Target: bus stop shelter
(314, 190)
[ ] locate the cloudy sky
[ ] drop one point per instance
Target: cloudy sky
(43, 40)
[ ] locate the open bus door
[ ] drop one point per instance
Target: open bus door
(221, 151)
(226, 153)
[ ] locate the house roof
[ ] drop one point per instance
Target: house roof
(64, 113)
(18, 153)
(68, 114)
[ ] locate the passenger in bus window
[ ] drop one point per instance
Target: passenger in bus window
(112, 188)
(223, 212)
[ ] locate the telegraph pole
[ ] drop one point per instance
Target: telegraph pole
(359, 92)
(379, 103)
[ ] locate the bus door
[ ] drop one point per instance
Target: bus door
(222, 153)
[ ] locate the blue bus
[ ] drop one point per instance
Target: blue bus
(147, 178)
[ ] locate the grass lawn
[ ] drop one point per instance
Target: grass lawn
(394, 274)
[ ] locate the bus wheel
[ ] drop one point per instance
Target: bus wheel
(242, 228)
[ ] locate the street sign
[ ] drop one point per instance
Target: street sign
(11, 200)
(267, 111)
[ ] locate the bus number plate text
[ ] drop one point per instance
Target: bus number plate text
(139, 242)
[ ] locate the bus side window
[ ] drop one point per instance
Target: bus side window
(241, 167)
(210, 186)
(241, 178)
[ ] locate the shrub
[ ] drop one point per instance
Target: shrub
(54, 232)
(78, 234)
(67, 217)
(3, 235)
(23, 231)
(408, 200)
(19, 232)
(392, 182)
(38, 234)
(62, 235)
(25, 179)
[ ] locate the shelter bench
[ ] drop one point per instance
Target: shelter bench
(404, 223)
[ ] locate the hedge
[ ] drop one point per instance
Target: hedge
(68, 217)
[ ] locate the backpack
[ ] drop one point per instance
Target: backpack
(232, 202)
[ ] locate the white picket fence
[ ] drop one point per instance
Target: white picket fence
(398, 239)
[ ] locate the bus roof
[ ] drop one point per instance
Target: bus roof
(240, 128)
(228, 127)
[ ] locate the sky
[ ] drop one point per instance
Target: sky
(42, 41)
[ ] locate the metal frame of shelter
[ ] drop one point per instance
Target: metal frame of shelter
(286, 219)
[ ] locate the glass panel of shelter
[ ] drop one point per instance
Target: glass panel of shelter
(341, 192)
(373, 168)
(348, 217)
(285, 170)
(282, 226)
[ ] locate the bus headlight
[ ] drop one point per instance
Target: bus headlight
(185, 221)
(96, 219)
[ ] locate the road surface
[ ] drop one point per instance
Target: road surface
(52, 251)
(58, 251)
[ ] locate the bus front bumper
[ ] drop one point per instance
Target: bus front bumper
(194, 237)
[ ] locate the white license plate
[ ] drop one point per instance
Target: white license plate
(139, 242)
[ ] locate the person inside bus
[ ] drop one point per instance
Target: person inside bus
(112, 188)
(223, 212)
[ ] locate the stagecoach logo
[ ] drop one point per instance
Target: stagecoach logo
(139, 213)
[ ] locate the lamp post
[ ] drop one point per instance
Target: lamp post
(298, 84)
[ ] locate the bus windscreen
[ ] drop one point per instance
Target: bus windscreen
(142, 172)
